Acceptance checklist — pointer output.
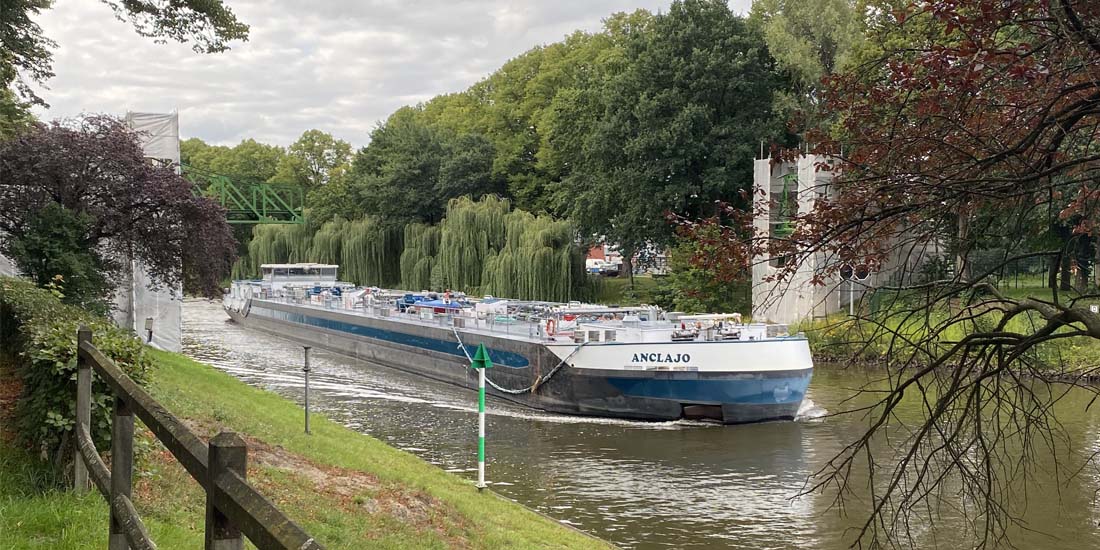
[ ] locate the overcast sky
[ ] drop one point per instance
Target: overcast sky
(336, 65)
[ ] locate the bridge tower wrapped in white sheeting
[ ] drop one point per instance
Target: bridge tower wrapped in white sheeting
(137, 306)
(787, 189)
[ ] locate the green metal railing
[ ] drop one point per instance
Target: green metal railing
(250, 202)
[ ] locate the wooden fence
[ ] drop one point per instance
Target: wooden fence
(233, 507)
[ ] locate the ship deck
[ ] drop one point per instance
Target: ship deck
(516, 330)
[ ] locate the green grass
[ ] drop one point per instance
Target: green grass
(34, 514)
(840, 339)
(348, 490)
(460, 516)
(617, 290)
(38, 512)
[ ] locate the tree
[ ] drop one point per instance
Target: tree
(197, 153)
(23, 51)
(691, 287)
(519, 106)
(313, 160)
(679, 125)
(467, 168)
(79, 194)
(52, 249)
(985, 112)
(809, 41)
(249, 160)
(396, 177)
(334, 200)
(409, 171)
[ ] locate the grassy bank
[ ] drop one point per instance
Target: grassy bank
(348, 490)
(617, 290)
(889, 331)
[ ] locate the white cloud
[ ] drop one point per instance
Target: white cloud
(336, 65)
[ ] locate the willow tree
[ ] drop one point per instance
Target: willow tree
(421, 247)
(276, 244)
(328, 242)
(539, 261)
(480, 246)
(371, 253)
(470, 230)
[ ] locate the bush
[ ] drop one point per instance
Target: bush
(38, 332)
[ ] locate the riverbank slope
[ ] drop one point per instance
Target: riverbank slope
(347, 489)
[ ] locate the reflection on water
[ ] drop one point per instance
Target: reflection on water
(641, 485)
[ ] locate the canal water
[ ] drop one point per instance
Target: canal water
(644, 485)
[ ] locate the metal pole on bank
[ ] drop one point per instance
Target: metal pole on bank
(481, 362)
(305, 370)
(851, 298)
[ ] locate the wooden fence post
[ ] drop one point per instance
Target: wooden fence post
(227, 452)
(83, 408)
(122, 467)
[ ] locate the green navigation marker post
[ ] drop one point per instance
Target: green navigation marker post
(481, 362)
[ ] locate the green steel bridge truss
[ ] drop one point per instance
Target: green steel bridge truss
(250, 202)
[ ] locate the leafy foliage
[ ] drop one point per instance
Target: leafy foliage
(93, 168)
(479, 246)
(40, 333)
(315, 159)
(679, 127)
(51, 248)
(24, 52)
(397, 175)
(249, 160)
(809, 41)
(209, 24)
(692, 287)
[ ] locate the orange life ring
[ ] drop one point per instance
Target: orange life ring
(551, 326)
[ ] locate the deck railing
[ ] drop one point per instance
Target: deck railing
(233, 507)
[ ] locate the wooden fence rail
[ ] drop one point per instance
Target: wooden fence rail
(233, 507)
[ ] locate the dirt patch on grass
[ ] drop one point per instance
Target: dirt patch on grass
(334, 481)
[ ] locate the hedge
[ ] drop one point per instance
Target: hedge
(38, 335)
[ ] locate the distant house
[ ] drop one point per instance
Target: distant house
(603, 259)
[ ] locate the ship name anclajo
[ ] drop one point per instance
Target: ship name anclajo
(661, 358)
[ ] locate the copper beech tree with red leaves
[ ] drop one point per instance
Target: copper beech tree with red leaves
(968, 125)
(90, 176)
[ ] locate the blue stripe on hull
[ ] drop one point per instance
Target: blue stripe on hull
(499, 357)
(749, 390)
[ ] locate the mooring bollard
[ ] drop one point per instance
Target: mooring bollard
(305, 370)
(481, 362)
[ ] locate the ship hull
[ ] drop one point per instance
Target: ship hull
(439, 353)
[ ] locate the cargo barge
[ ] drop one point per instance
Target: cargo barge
(636, 363)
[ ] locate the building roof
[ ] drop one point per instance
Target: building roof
(313, 266)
